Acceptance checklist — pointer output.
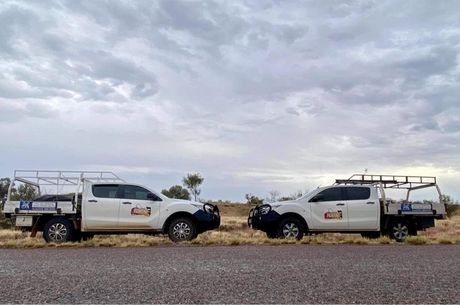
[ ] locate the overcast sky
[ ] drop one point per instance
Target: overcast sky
(254, 95)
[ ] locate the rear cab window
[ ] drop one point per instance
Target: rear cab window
(105, 190)
(358, 193)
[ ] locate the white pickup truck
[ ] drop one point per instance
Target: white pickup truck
(354, 205)
(102, 203)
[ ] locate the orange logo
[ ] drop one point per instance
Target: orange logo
(333, 215)
(141, 211)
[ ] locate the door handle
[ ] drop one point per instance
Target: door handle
(92, 200)
(340, 204)
(370, 202)
(126, 202)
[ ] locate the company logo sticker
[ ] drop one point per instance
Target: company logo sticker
(406, 207)
(139, 211)
(25, 205)
(333, 215)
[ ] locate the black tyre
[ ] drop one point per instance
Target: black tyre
(181, 229)
(371, 235)
(399, 230)
(58, 230)
(290, 228)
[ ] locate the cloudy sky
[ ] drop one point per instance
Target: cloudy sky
(254, 95)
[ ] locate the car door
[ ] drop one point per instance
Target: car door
(100, 209)
(139, 208)
(329, 210)
(363, 208)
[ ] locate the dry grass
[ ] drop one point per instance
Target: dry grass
(445, 231)
(234, 231)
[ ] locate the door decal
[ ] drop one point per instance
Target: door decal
(333, 215)
(140, 211)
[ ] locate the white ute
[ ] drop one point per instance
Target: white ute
(354, 205)
(102, 203)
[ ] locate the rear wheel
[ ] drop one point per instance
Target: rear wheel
(182, 229)
(290, 228)
(58, 230)
(399, 230)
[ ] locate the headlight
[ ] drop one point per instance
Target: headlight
(211, 209)
(264, 209)
(208, 208)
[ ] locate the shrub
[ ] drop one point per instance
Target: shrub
(416, 240)
(452, 209)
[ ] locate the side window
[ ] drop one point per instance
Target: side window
(330, 194)
(105, 190)
(358, 193)
(136, 192)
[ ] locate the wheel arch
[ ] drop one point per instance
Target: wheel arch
(43, 219)
(296, 216)
(174, 216)
(410, 221)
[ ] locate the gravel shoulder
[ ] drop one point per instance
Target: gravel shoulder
(240, 274)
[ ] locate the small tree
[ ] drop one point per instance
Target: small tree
(4, 185)
(192, 182)
(293, 196)
(176, 191)
(24, 192)
(452, 206)
(273, 196)
(254, 200)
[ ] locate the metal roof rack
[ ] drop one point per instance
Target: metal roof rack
(391, 181)
(61, 177)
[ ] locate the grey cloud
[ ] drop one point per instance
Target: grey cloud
(14, 112)
(439, 59)
(282, 90)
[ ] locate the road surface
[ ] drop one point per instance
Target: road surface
(233, 274)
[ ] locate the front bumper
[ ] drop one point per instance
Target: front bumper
(264, 222)
(207, 221)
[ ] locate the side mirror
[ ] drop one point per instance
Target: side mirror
(153, 197)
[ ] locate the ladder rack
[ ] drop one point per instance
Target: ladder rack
(60, 177)
(391, 181)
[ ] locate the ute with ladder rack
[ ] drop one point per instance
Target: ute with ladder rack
(75, 205)
(359, 204)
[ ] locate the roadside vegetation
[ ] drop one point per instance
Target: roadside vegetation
(234, 231)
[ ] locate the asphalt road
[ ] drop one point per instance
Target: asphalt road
(240, 274)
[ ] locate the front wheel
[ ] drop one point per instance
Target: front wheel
(58, 230)
(399, 230)
(290, 228)
(181, 229)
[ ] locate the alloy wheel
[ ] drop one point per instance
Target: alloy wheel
(182, 231)
(400, 231)
(291, 230)
(57, 232)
